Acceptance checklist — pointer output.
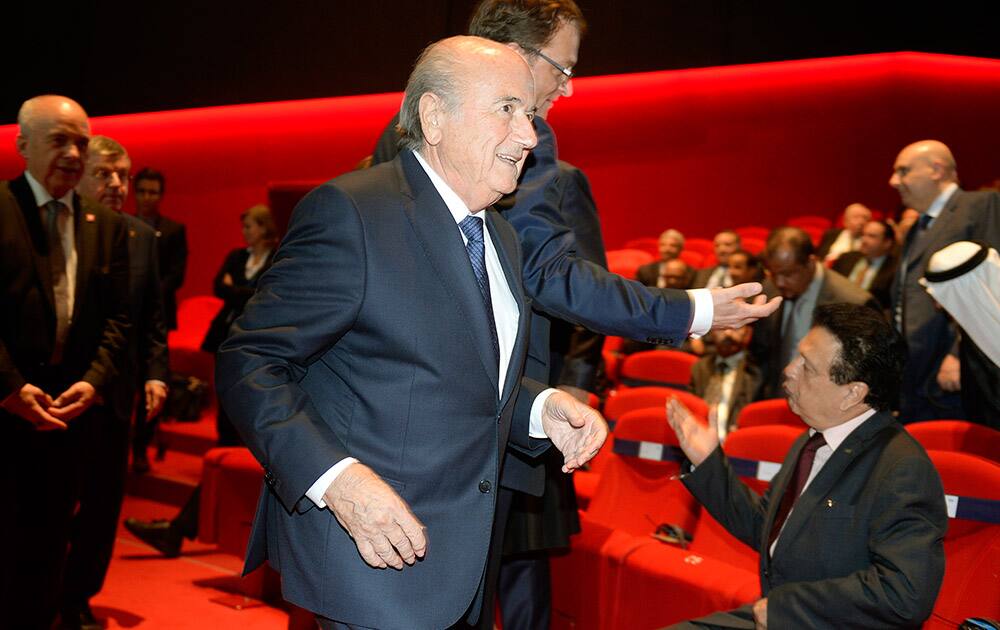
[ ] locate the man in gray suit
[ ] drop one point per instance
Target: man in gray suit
(797, 275)
(102, 486)
(376, 370)
(850, 532)
(926, 176)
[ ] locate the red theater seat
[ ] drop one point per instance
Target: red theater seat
(627, 399)
(692, 258)
(754, 245)
(646, 244)
(703, 246)
(805, 221)
(971, 586)
(633, 497)
(230, 485)
(664, 368)
(625, 262)
(773, 411)
(753, 232)
(957, 436)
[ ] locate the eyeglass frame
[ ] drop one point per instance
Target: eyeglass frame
(563, 70)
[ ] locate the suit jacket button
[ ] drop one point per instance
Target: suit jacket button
(485, 486)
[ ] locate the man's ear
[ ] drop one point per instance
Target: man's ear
(856, 394)
(22, 145)
(431, 109)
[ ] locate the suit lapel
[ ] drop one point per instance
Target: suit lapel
(508, 253)
(818, 490)
(923, 242)
(34, 236)
(85, 226)
(441, 240)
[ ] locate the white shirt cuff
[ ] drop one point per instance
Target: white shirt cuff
(704, 311)
(317, 490)
(535, 429)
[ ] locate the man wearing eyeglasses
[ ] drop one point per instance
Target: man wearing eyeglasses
(102, 482)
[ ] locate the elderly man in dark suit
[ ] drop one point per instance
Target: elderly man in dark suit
(851, 530)
(63, 330)
(375, 372)
(797, 275)
(926, 176)
(102, 484)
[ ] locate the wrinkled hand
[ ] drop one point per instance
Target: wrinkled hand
(696, 439)
(156, 396)
(380, 522)
(731, 310)
(578, 431)
(760, 614)
(32, 404)
(949, 376)
(74, 401)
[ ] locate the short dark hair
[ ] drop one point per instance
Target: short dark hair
(528, 23)
(753, 262)
(795, 240)
(871, 351)
(150, 174)
(889, 234)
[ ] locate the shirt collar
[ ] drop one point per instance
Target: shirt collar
(812, 291)
(941, 200)
(451, 199)
(42, 196)
(732, 361)
(835, 436)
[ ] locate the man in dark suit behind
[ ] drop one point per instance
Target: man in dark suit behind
(850, 532)
(926, 176)
(726, 378)
(102, 484)
(63, 329)
(797, 275)
(376, 370)
(873, 266)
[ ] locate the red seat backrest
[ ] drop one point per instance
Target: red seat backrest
(646, 244)
(626, 261)
(670, 368)
(764, 412)
(627, 399)
(958, 436)
(810, 221)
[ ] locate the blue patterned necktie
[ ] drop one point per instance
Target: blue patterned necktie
(472, 227)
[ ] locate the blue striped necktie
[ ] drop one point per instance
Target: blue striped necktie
(472, 227)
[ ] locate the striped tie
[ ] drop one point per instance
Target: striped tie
(472, 227)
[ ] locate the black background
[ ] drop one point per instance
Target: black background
(118, 58)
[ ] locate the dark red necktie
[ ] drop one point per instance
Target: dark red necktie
(794, 489)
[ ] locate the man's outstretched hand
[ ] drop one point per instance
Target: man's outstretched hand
(379, 520)
(731, 309)
(577, 430)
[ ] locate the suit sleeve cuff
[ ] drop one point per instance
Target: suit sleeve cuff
(704, 311)
(535, 429)
(318, 489)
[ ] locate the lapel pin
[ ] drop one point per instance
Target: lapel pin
(89, 217)
(829, 503)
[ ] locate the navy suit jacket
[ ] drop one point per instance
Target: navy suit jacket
(367, 337)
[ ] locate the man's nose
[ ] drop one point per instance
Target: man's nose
(524, 132)
(894, 180)
(567, 88)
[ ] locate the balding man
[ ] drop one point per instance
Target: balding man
(375, 372)
(669, 245)
(63, 325)
(839, 241)
(926, 176)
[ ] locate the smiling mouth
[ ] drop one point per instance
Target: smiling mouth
(508, 159)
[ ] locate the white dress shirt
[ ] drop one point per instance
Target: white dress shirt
(67, 231)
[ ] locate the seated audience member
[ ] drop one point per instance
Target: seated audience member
(671, 244)
(725, 377)
(964, 278)
(744, 267)
(672, 274)
(850, 532)
(907, 217)
(235, 283)
(873, 266)
(794, 272)
(725, 243)
(837, 241)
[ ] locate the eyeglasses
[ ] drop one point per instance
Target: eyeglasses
(566, 72)
(105, 175)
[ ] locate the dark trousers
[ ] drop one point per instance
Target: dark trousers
(41, 470)
(525, 591)
(104, 448)
(145, 428)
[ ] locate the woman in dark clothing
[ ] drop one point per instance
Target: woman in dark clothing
(235, 283)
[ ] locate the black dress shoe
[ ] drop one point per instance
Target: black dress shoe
(87, 619)
(79, 618)
(159, 534)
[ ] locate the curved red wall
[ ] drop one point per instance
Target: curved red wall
(698, 150)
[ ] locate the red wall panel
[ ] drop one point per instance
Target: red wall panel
(698, 150)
